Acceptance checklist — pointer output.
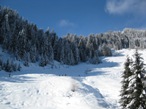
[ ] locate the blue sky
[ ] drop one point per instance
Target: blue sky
(81, 17)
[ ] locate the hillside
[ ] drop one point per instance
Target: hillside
(26, 43)
(41, 70)
(65, 87)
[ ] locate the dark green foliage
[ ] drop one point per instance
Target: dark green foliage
(138, 95)
(19, 67)
(124, 100)
(24, 39)
(30, 44)
(133, 93)
(9, 66)
(26, 64)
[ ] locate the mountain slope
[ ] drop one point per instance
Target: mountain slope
(85, 86)
(29, 44)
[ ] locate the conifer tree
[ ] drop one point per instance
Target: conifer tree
(136, 89)
(124, 100)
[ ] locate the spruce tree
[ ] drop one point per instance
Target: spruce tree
(136, 89)
(124, 100)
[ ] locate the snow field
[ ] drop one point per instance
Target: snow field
(86, 86)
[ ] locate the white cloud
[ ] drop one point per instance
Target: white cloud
(66, 23)
(136, 7)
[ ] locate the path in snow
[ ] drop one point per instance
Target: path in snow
(47, 92)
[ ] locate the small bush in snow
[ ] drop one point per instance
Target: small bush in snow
(74, 87)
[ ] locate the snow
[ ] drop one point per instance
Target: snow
(83, 86)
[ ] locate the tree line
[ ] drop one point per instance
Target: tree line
(27, 43)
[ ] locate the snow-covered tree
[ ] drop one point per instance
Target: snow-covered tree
(105, 51)
(20, 37)
(136, 89)
(124, 100)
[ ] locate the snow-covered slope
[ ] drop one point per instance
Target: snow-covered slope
(83, 86)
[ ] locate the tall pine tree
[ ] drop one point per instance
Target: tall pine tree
(136, 86)
(124, 100)
(133, 95)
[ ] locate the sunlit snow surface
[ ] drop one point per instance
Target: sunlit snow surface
(84, 86)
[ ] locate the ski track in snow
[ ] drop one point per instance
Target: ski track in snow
(86, 86)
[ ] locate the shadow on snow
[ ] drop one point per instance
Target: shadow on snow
(80, 70)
